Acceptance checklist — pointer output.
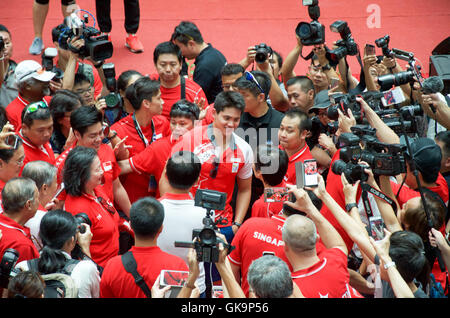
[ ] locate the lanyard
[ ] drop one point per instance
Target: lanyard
(139, 131)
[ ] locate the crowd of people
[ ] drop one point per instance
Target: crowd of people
(99, 190)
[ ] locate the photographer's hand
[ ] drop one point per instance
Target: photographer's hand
(157, 291)
(194, 271)
(327, 143)
(249, 58)
(350, 190)
(303, 201)
(345, 122)
(84, 240)
(7, 130)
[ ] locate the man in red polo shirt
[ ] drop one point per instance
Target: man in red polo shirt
(87, 127)
(168, 61)
(36, 131)
(140, 129)
(33, 84)
(293, 131)
(152, 160)
(146, 219)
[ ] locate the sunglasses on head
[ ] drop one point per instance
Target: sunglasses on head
(249, 77)
(34, 107)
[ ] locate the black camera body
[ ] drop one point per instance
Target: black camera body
(352, 171)
(205, 240)
(96, 45)
(7, 270)
(262, 52)
(343, 102)
(47, 62)
(113, 99)
(345, 46)
(314, 32)
(383, 43)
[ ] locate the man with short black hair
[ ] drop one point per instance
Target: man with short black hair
(146, 220)
(208, 60)
(300, 90)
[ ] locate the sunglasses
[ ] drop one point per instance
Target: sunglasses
(34, 107)
(249, 77)
(108, 207)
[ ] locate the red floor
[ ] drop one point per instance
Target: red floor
(232, 25)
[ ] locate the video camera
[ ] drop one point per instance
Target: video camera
(7, 270)
(47, 62)
(96, 45)
(205, 239)
(262, 52)
(345, 46)
(311, 33)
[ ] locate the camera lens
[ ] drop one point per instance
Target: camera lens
(304, 30)
(207, 236)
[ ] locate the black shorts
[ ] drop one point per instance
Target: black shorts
(63, 2)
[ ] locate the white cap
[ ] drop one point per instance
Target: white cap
(32, 69)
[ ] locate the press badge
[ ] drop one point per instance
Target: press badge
(235, 166)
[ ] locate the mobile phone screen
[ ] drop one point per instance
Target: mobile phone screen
(173, 278)
(369, 49)
(311, 173)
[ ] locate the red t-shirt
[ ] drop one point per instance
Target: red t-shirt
(257, 235)
(136, 184)
(302, 155)
(33, 153)
(104, 228)
(15, 108)
(151, 161)
(236, 161)
(328, 278)
(264, 209)
(116, 282)
(17, 237)
(111, 169)
(172, 95)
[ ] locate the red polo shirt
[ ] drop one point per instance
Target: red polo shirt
(137, 184)
(171, 95)
(17, 237)
(33, 153)
(257, 235)
(111, 169)
(328, 278)
(151, 161)
(116, 282)
(15, 108)
(302, 155)
(235, 161)
(105, 231)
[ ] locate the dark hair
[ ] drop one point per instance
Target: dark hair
(167, 48)
(143, 88)
(146, 217)
(4, 29)
(3, 116)
(407, 251)
(185, 108)
(77, 169)
(57, 31)
(186, 31)
(268, 156)
(26, 284)
(63, 101)
(444, 137)
(305, 121)
(232, 69)
(183, 169)
(278, 57)
(81, 78)
(305, 82)
(56, 228)
(229, 99)
(84, 117)
(41, 114)
(7, 154)
(16, 193)
(263, 80)
(124, 78)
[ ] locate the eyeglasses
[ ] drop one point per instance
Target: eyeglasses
(108, 207)
(249, 77)
(213, 172)
(84, 91)
(34, 107)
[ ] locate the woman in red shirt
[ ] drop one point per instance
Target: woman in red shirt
(83, 177)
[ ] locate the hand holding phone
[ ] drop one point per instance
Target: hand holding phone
(369, 49)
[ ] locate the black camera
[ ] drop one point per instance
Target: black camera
(113, 99)
(262, 52)
(352, 171)
(47, 62)
(383, 43)
(345, 46)
(7, 270)
(314, 32)
(387, 81)
(343, 102)
(82, 218)
(205, 239)
(96, 45)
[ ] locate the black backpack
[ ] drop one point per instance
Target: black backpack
(60, 284)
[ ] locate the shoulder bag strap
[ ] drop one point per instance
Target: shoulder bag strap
(130, 265)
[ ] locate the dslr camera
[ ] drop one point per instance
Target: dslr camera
(314, 32)
(7, 270)
(47, 62)
(96, 45)
(205, 239)
(113, 99)
(345, 46)
(383, 43)
(262, 52)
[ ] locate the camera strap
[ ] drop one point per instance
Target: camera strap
(129, 262)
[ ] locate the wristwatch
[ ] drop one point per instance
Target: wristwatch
(390, 264)
(350, 206)
(237, 224)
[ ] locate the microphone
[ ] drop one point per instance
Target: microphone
(432, 85)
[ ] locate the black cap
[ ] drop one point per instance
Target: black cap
(426, 154)
(322, 100)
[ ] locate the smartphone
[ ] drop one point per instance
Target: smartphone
(174, 279)
(217, 291)
(392, 97)
(61, 189)
(369, 49)
(311, 173)
(277, 194)
(334, 82)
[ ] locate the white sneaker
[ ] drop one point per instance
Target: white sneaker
(37, 46)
